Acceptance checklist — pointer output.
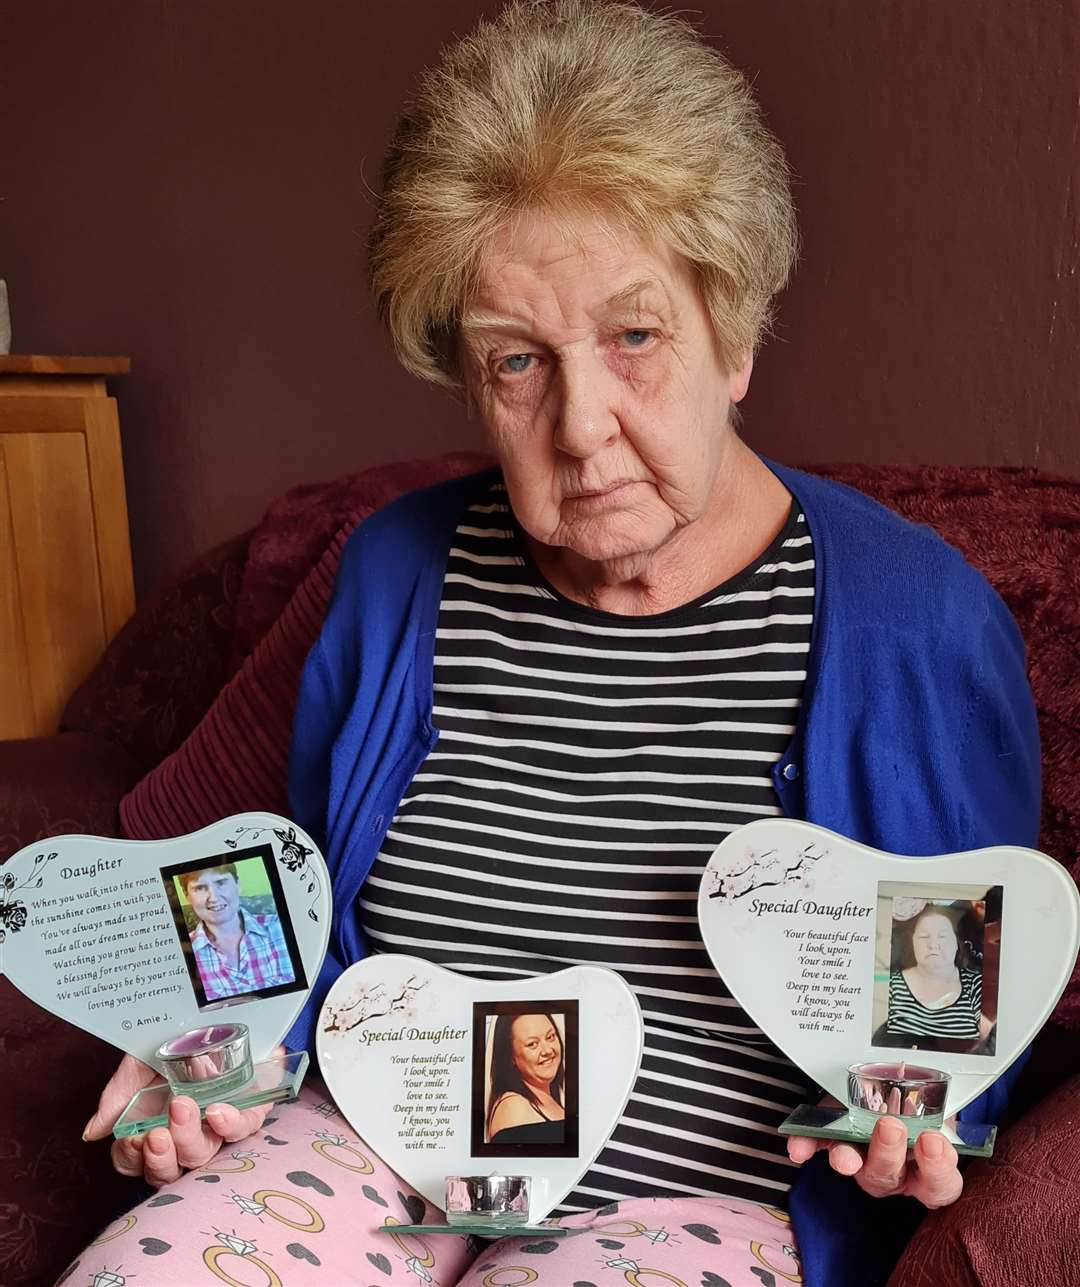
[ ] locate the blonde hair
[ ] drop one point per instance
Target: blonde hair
(594, 106)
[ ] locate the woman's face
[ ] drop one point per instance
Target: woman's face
(934, 942)
(535, 1047)
(591, 358)
(214, 896)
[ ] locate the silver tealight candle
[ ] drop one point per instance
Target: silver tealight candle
(491, 1199)
(911, 1092)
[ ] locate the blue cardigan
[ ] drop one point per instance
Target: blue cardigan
(917, 735)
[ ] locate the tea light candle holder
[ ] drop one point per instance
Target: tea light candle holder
(913, 1093)
(207, 1063)
(494, 1199)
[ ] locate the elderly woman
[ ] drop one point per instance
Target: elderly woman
(936, 996)
(543, 694)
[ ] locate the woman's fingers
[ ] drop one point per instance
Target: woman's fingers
(131, 1075)
(931, 1175)
(159, 1158)
(233, 1124)
(884, 1169)
(935, 1178)
(186, 1143)
(194, 1143)
(127, 1155)
(801, 1148)
(845, 1158)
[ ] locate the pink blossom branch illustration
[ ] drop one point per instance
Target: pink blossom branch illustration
(373, 1003)
(764, 871)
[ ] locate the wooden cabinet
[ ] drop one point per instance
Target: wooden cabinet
(65, 555)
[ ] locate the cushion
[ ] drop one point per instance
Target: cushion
(236, 757)
(168, 663)
(297, 529)
(55, 1191)
(70, 783)
(1017, 1219)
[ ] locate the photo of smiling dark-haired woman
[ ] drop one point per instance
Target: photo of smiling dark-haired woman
(525, 1079)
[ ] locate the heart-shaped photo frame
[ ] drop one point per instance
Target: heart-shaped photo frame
(109, 934)
(443, 1074)
(843, 954)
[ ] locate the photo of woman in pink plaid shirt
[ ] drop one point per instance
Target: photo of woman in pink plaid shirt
(236, 951)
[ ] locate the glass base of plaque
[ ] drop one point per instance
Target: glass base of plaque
(483, 1229)
(274, 1081)
(970, 1139)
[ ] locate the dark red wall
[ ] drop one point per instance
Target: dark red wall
(186, 182)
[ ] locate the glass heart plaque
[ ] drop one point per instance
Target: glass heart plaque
(903, 986)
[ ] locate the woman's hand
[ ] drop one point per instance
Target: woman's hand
(163, 1154)
(930, 1174)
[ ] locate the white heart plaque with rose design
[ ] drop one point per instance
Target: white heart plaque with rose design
(109, 934)
(844, 954)
(442, 1074)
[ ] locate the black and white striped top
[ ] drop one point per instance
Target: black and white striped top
(960, 1019)
(587, 765)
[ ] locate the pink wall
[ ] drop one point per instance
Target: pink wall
(185, 182)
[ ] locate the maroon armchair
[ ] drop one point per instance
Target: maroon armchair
(144, 749)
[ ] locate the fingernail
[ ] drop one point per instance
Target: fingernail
(155, 1144)
(933, 1145)
(181, 1112)
(891, 1131)
(846, 1160)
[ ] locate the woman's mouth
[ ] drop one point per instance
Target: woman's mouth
(603, 497)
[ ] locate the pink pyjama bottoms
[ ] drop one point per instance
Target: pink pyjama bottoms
(299, 1204)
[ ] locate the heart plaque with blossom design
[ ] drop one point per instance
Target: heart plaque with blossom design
(446, 1075)
(845, 955)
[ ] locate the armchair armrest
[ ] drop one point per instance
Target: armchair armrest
(55, 1191)
(1017, 1218)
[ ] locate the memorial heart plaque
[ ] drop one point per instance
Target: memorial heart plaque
(843, 954)
(444, 1075)
(112, 935)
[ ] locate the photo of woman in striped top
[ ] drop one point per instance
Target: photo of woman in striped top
(939, 995)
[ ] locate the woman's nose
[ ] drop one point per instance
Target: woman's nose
(584, 420)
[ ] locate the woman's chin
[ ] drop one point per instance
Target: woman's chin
(613, 538)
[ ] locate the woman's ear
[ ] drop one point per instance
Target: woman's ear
(740, 377)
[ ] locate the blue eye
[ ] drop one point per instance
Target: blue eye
(516, 363)
(636, 339)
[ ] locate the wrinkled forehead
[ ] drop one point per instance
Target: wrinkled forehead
(545, 269)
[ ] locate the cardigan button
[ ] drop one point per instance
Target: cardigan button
(791, 772)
